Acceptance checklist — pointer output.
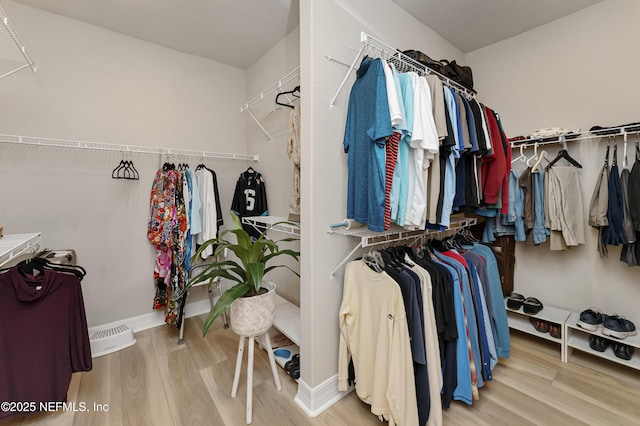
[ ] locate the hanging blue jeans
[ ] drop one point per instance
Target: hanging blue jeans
(539, 231)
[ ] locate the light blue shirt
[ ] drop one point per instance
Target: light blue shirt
(401, 173)
(454, 116)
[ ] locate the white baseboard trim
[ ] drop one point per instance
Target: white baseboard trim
(314, 401)
(155, 318)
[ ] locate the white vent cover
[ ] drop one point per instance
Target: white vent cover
(112, 339)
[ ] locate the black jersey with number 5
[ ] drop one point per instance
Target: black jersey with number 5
(250, 198)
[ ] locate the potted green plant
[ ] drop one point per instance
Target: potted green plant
(251, 299)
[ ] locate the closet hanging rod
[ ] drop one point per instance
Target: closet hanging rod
(274, 88)
(389, 53)
(7, 29)
(620, 131)
(28, 140)
(395, 235)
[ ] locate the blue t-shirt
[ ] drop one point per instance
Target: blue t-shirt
(401, 178)
(368, 124)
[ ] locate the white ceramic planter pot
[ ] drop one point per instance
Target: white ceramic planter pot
(253, 316)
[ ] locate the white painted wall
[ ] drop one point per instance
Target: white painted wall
(325, 27)
(97, 85)
(274, 163)
(576, 72)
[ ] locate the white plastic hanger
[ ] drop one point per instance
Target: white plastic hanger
(543, 155)
(534, 157)
(520, 157)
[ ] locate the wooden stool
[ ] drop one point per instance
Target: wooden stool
(236, 377)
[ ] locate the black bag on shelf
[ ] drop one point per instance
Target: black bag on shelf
(458, 73)
(425, 60)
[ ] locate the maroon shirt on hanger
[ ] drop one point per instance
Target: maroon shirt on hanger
(43, 338)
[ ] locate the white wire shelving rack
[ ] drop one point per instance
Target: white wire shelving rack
(10, 44)
(611, 132)
(395, 235)
(275, 88)
(372, 47)
(272, 223)
(29, 140)
(13, 245)
(609, 135)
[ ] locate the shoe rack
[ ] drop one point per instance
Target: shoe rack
(521, 321)
(572, 336)
(577, 338)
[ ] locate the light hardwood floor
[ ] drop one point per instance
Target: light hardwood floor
(156, 382)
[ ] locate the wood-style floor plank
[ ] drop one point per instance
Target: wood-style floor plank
(157, 382)
(144, 399)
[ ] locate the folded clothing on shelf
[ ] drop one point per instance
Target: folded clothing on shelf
(615, 130)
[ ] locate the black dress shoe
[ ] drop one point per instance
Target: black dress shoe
(623, 351)
(598, 343)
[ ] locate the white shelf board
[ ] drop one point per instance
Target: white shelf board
(572, 323)
(521, 323)
(287, 319)
(272, 223)
(13, 245)
(580, 340)
(548, 313)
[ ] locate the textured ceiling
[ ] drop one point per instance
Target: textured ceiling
(239, 32)
(234, 32)
(472, 24)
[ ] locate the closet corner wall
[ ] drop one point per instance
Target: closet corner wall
(267, 129)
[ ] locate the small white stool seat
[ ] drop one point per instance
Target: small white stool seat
(236, 377)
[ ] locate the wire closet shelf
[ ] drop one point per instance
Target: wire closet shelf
(275, 88)
(30, 140)
(397, 234)
(373, 47)
(609, 133)
(10, 45)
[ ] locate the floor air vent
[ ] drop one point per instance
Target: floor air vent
(108, 340)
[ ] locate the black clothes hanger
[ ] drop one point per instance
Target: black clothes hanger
(125, 170)
(115, 174)
(564, 154)
(129, 171)
(437, 245)
(295, 92)
(398, 253)
(76, 270)
(40, 264)
(390, 262)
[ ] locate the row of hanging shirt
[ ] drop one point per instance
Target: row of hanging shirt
(615, 206)
(185, 210)
(545, 202)
(421, 328)
(418, 151)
